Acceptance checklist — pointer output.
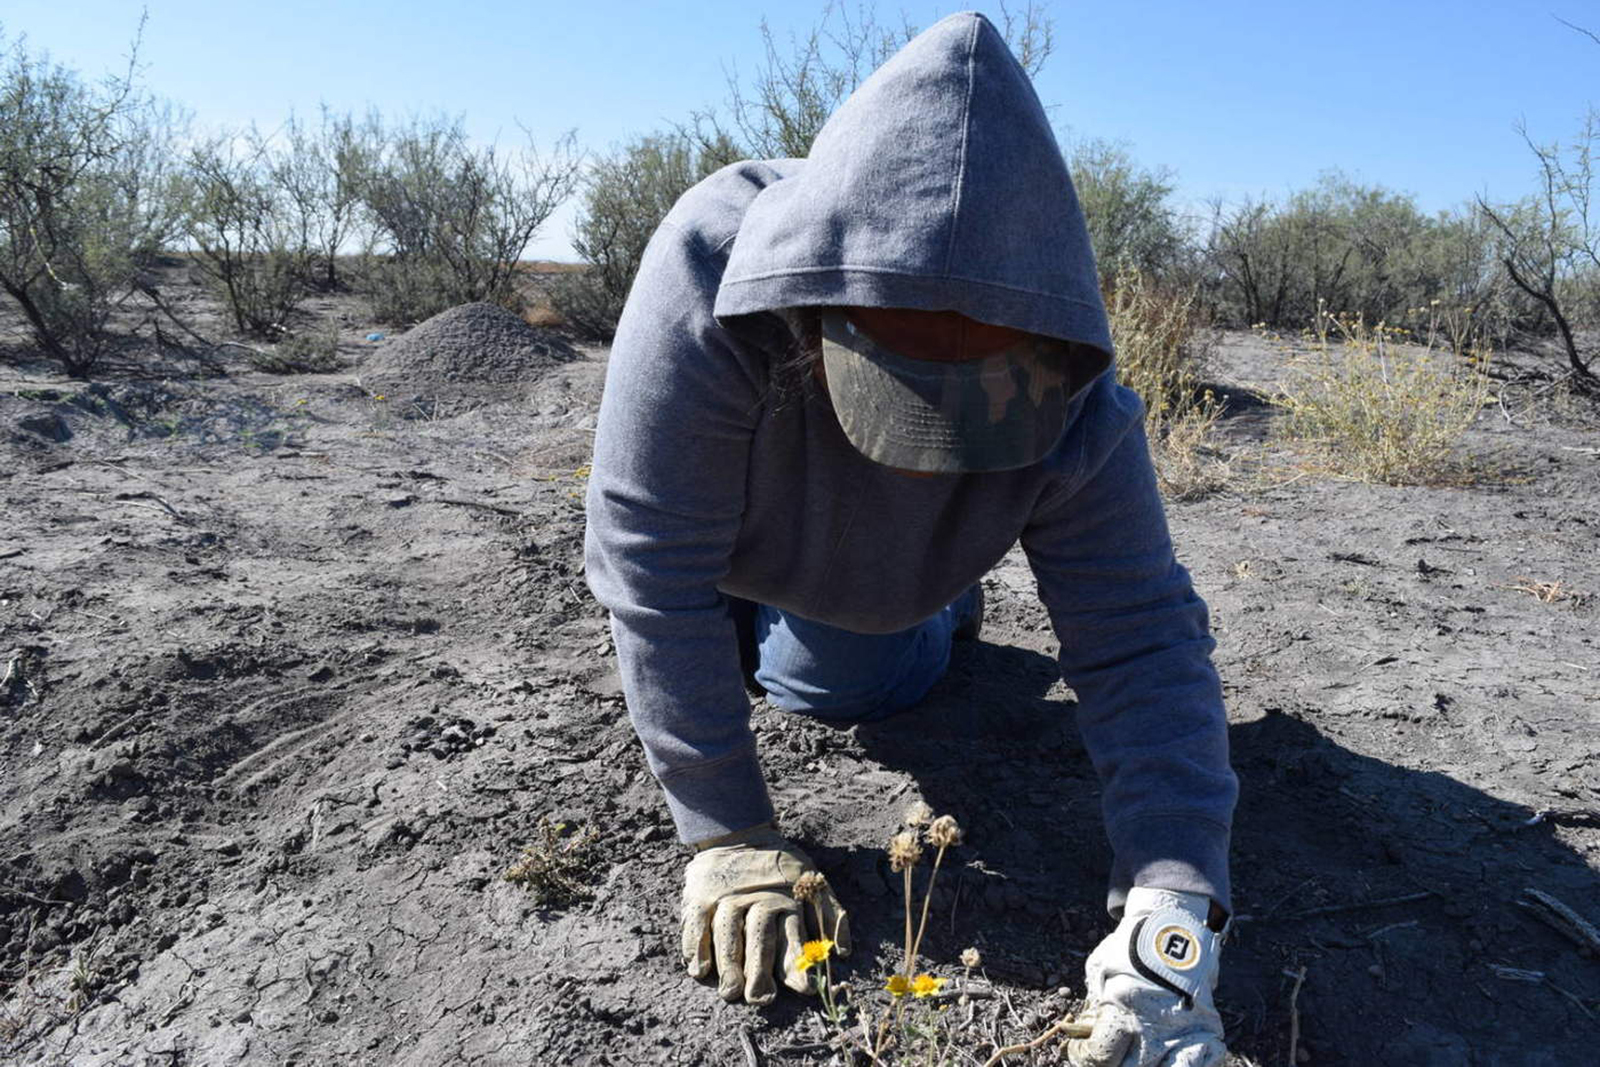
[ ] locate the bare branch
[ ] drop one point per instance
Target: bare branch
(1587, 33)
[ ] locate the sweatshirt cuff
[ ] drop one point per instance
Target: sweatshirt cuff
(713, 799)
(1178, 852)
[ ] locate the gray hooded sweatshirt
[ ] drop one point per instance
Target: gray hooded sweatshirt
(938, 185)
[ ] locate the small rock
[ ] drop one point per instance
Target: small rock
(49, 425)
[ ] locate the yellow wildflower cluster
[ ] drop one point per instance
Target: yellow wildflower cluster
(813, 953)
(923, 985)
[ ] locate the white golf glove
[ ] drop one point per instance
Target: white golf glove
(740, 917)
(1150, 986)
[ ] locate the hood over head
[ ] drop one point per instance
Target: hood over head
(937, 185)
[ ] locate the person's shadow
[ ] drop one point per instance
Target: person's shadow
(1397, 891)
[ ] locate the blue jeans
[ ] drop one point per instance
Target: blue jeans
(845, 677)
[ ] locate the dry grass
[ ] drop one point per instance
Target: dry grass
(1361, 403)
(1549, 592)
(1163, 344)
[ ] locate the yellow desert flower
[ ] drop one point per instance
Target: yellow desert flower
(813, 953)
(898, 984)
(926, 985)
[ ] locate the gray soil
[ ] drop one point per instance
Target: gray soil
(293, 673)
(471, 352)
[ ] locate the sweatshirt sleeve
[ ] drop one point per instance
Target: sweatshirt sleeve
(1136, 649)
(664, 504)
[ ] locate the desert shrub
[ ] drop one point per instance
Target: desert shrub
(449, 221)
(1344, 245)
(1162, 341)
(250, 235)
(86, 197)
(1359, 405)
(318, 171)
(555, 868)
(1549, 243)
(1132, 225)
(624, 198)
(311, 352)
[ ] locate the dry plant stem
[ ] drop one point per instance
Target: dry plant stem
(873, 1045)
(922, 925)
(1299, 977)
(1064, 1028)
(823, 931)
(906, 875)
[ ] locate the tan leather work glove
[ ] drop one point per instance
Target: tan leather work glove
(740, 917)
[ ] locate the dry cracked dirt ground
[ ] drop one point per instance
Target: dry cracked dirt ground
(292, 673)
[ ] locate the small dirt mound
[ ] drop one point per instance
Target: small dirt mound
(477, 351)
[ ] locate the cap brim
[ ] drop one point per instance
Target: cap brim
(1002, 412)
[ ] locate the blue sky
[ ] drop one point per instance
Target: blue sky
(1234, 97)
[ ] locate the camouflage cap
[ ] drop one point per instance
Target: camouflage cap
(999, 409)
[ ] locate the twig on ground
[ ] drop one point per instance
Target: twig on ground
(134, 498)
(30, 896)
(1288, 896)
(1380, 931)
(809, 1048)
(1356, 905)
(1566, 922)
(117, 465)
(1067, 1027)
(1299, 977)
(1577, 1001)
(510, 512)
(117, 729)
(977, 992)
(752, 1055)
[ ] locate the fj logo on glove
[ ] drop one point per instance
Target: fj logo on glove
(1176, 948)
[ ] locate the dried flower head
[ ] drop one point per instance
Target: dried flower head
(905, 849)
(970, 958)
(813, 953)
(918, 814)
(926, 985)
(944, 832)
(809, 886)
